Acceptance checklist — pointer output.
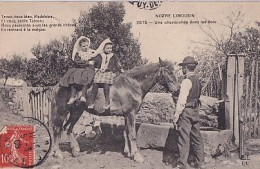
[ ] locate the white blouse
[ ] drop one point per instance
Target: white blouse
(105, 60)
(87, 55)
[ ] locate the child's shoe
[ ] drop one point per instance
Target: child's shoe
(91, 106)
(107, 107)
(83, 99)
(71, 101)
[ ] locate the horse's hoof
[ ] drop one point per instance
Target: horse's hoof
(75, 153)
(127, 154)
(138, 158)
(57, 154)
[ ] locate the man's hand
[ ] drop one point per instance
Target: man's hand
(176, 117)
(91, 62)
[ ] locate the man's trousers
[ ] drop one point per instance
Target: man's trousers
(189, 135)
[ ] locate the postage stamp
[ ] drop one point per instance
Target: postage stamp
(103, 84)
(17, 146)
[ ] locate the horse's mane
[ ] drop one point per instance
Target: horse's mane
(131, 77)
(169, 65)
(141, 71)
(144, 70)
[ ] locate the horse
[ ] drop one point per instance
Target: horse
(126, 96)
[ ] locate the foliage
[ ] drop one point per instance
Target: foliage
(212, 58)
(15, 67)
(246, 43)
(51, 62)
(211, 65)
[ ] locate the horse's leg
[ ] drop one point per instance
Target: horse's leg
(126, 148)
(57, 138)
(73, 142)
(59, 112)
(66, 124)
(57, 131)
(132, 137)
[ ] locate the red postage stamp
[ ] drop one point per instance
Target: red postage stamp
(17, 146)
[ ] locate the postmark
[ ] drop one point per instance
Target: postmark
(146, 5)
(24, 146)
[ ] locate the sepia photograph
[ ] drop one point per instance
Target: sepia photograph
(130, 84)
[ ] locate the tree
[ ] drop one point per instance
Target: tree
(248, 43)
(106, 20)
(238, 39)
(222, 42)
(4, 69)
(14, 68)
(217, 46)
(51, 62)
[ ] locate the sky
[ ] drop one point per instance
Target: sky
(171, 42)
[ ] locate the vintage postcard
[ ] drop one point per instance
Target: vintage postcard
(129, 84)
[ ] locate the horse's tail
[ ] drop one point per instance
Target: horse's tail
(54, 105)
(54, 114)
(59, 110)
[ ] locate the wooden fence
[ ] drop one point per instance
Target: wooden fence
(213, 86)
(221, 84)
(29, 101)
(40, 104)
(250, 103)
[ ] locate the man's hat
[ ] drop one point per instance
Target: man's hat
(188, 60)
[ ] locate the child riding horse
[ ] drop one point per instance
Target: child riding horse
(80, 76)
(108, 65)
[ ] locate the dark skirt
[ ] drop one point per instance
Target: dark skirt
(80, 76)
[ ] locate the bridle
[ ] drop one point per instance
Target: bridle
(162, 80)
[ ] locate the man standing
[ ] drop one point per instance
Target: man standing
(187, 116)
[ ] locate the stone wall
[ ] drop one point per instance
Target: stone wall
(159, 108)
(156, 108)
(164, 137)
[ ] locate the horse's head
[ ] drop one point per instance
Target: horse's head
(167, 77)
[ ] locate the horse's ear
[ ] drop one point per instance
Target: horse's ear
(161, 61)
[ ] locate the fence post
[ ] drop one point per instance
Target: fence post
(246, 112)
(235, 76)
(251, 97)
(239, 94)
(26, 105)
(230, 91)
(255, 98)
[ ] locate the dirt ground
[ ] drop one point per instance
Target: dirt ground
(99, 154)
(115, 160)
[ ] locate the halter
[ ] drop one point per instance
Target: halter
(161, 78)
